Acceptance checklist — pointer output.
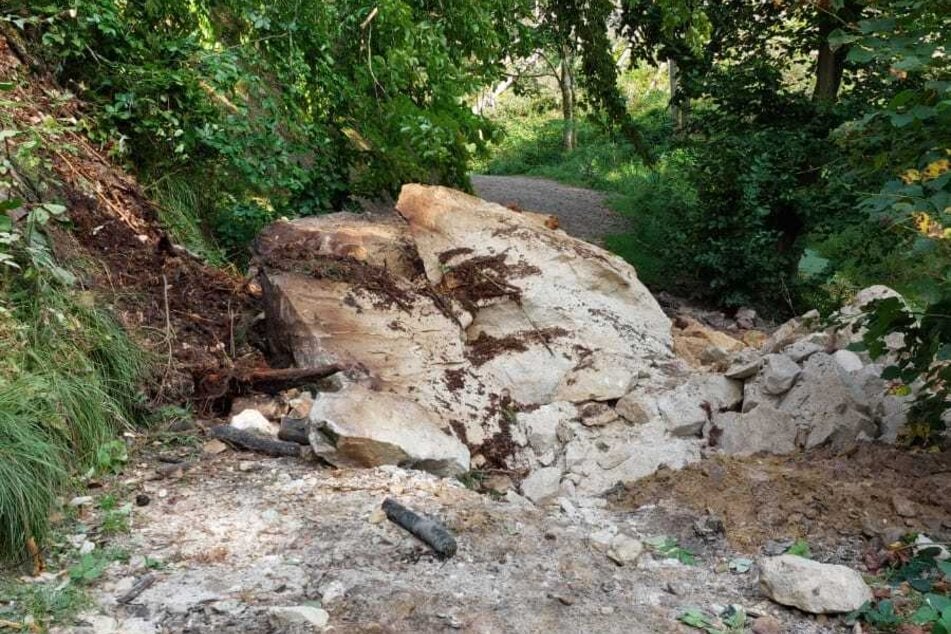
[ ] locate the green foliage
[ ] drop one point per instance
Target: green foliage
(924, 607)
(69, 373)
(668, 547)
(800, 548)
(733, 620)
(43, 602)
(111, 456)
(289, 107)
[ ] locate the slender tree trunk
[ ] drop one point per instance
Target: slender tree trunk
(829, 68)
(831, 64)
(678, 107)
(567, 81)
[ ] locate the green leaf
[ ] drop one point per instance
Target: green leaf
(40, 216)
(839, 38)
(695, 618)
(861, 55)
(7, 205)
(54, 209)
(7, 85)
(801, 549)
(910, 64)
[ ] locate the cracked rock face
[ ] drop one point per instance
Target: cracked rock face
(475, 336)
(453, 316)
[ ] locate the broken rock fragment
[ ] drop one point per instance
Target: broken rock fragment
(686, 408)
(812, 586)
(369, 428)
(779, 374)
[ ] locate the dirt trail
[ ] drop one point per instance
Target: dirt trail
(581, 212)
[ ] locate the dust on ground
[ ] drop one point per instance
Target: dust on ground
(237, 534)
(875, 490)
(580, 212)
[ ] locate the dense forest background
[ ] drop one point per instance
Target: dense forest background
(779, 154)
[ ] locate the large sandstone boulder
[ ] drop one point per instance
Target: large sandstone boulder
(453, 318)
(575, 322)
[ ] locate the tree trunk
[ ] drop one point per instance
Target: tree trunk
(678, 107)
(829, 68)
(567, 81)
(831, 64)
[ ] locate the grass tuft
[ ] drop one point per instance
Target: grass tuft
(68, 384)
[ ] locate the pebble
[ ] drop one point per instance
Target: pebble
(624, 549)
(903, 506)
(284, 617)
(767, 625)
(214, 447)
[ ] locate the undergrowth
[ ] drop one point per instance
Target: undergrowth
(69, 374)
(69, 385)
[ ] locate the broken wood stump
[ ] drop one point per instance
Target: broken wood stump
(216, 388)
(294, 430)
(427, 530)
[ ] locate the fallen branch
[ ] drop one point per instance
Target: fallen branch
(252, 442)
(140, 586)
(271, 381)
(215, 388)
(427, 530)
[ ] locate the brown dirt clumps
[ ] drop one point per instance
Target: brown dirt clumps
(485, 347)
(484, 278)
(445, 256)
(819, 495)
(190, 313)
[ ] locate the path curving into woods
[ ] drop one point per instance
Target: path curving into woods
(581, 212)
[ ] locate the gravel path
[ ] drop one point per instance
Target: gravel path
(582, 212)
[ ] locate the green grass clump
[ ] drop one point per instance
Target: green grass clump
(182, 203)
(68, 384)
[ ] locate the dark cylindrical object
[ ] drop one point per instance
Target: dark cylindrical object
(252, 442)
(427, 530)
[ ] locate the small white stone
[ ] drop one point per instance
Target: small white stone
(284, 616)
(624, 549)
(848, 360)
(252, 420)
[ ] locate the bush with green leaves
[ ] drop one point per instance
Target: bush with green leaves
(296, 107)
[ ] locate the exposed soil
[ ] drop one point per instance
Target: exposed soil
(580, 212)
(819, 496)
(485, 347)
(193, 314)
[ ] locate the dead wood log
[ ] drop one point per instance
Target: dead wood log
(427, 530)
(216, 388)
(252, 442)
(294, 430)
(271, 381)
